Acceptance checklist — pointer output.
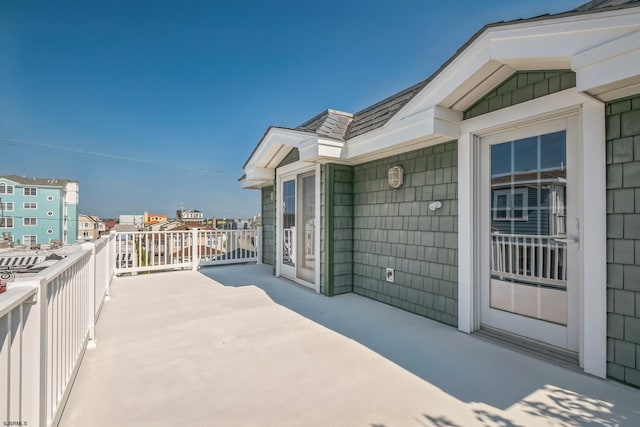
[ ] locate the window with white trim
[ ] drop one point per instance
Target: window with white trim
(50, 198)
(49, 231)
(510, 204)
(5, 188)
(49, 213)
(30, 191)
(29, 205)
(6, 206)
(29, 222)
(6, 222)
(30, 239)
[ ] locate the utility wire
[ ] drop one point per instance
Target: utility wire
(15, 142)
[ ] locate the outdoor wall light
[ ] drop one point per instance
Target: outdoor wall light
(395, 176)
(435, 205)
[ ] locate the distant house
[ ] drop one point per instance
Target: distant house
(90, 227)
(498, 196)
(34, 211)
(132, 219)
(150, 219)
(189, 215)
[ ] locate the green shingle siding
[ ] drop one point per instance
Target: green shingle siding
(268, 226)
(292, 157)
(394, 228)
(521, 87)
(338, 229)
(623, 240)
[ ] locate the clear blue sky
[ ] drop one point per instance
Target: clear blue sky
(189, 87)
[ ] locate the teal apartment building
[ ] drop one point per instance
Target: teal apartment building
(500, 196)
(38, 210)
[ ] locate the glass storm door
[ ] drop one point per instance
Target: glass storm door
(525, 283)
(298, 257)
(306, 257)
(288, 256)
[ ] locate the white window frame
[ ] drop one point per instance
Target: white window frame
(30, 237)
(29, 222)
(509, 192)
(4, 188)
(49, 213)
(30, 205)
(27, 190)
(50, 198)
(7, 220)
(6, 206)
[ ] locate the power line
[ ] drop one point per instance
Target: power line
(15, 142)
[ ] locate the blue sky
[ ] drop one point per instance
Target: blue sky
(154, 104)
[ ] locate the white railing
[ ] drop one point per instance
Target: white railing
(289, 245)
(531, 258)
(46, 323)
(143, 251)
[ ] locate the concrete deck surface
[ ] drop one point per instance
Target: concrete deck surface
(234, 346)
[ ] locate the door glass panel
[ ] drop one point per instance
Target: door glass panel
(528, 217)
(306, 256)
(289, 222)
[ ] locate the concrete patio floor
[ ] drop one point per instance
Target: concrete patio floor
(234, 346)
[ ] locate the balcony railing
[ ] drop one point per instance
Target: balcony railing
(170, 250)
(46, 323)
(531, 258)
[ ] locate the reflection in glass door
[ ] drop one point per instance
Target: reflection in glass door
(528, 254)
(306, 258)
(288, 227)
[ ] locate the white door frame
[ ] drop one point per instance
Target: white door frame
(592, 195)
(282, 174)
(558, 335)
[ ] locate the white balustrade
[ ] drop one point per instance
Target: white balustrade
(533, 258)
(143, 251)
(46, 323)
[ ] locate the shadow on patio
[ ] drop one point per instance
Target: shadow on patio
(181, 348)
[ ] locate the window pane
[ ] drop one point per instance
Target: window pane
(552, 151)
(525, 155)
(501, 159)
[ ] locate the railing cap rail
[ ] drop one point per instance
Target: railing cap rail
(16, 295)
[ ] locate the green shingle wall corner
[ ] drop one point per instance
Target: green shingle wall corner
(327, 228)
(623, 239)
(521, 87)
(268, 226)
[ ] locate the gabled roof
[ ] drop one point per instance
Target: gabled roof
(331, 123)
(433, 112)
(40, 182)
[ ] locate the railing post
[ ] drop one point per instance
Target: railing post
(259, 244)
(195, 255)
(92, 291)
(34, 357)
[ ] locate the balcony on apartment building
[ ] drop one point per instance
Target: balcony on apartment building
(108, 337)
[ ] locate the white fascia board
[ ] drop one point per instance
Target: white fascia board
(321, 149)
(436, 123)
(273, 140)
(609, 66)
(257, 173)
(255, 184)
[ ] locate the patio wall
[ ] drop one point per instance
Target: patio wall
(623, 240)
(394, 228)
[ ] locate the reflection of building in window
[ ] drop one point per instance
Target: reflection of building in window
(510, 204)
(6, 222)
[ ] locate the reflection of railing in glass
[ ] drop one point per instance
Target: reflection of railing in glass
(530, 258)
(289, 246)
